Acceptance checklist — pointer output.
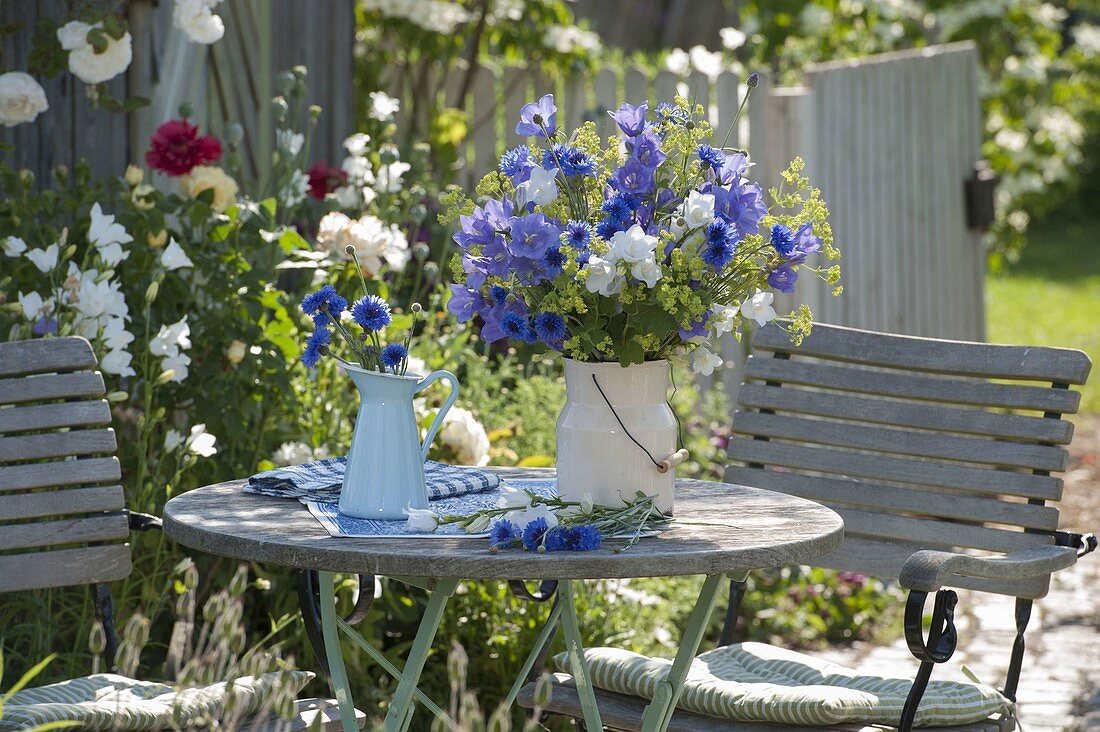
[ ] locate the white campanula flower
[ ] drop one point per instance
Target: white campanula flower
(108, 237)
(297, 188)
(290, 141)
(479, 524)
(759, 307)
(388, 177)
(732, 38)
(677, 61)
(513, 498)
(21, 98)
(89, 66)
(44, 259)
(540, 189)
(198, 21)
(533, 513)
(698, 209)
(704, 361)
(356, 144)
(173, 257)
(201, 442)
(94, 299)
(172, 440)
(13, 246)
(178, 364)
(358, 169)
(117, 362)
(723, 319)
(603, 276)
(347, 196)
(35, 307)
(382, 106)
(115, 336)
(169, 344)
(639, 250)
(420, 519)
(587, 504)
(466, 436)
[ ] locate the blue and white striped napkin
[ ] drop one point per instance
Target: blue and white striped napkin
(321, 481)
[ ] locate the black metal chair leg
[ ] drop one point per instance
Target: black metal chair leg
(105, 614)
(1012, 680)
(309, 598)
(733, 612)
(940, 645)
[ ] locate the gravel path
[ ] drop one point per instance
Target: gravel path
(1060, 684)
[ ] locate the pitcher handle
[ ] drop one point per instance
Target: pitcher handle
(438, 421)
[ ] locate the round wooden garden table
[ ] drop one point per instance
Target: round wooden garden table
(720, 531)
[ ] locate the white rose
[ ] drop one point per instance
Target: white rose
(211, 177)
(14, 246)
(704, 361)
(292, 453)
(21, 99)
(196, 19)
(89, 66)
(173, 257)
(333, 232)
(235, 353)
(382, 106)
(539, 189)
(759, 307)
(420, 519)
(466, 436)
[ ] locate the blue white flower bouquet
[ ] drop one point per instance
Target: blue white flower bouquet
(646, 246)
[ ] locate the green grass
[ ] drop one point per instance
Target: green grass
(1051, 297)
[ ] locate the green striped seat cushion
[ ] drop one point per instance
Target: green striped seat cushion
(112, 702)
(756, 682)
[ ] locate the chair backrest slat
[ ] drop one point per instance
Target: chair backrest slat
(62, 517)
(911, 440)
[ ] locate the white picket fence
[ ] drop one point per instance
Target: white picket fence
(889, 139)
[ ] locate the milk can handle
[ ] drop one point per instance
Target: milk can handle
(438, 421)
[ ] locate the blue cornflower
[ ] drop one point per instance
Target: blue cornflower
(554, 261)
(498, 294)
(569, 160)
(618, 208)
(583, 538)
(719, 245)
(515, 326)
(550, 328)
(503, 532)
(315, 346)
(783, 240)
(712, 157)
(393, 355)
(516, 161)
(324, 299)
(371, 313)
(609, 227)
(555, 540)
(534, 533)
(671, 113)
(578, 234)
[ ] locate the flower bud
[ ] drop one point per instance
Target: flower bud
(68, 252)
(186, 110)
(510, 298)
(349, 250)
(418, 213)
(416, 307)
(26, 177)
(315, 111)
(134, 175)
(117, 396)
(536, 118)
(279, 108)
(165, 377)
(97, 639)
(431, 271)
(156, 241)
(239, 583)
(140, 196)
(753, 81)
(421, 250)
(234, 133)
(300, 73)
(388, 155)
(151, 292)
(235, 353)
(61, 173)
(284, 82)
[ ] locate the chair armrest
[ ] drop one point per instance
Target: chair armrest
(143, 521)
(928, 570)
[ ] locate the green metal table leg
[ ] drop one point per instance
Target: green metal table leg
(397, 716)
(543, 639)
(331, 634)
(575, 647)
(658, 714)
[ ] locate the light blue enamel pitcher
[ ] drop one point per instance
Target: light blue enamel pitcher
(385, 470)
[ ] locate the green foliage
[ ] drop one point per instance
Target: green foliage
(1040, 79)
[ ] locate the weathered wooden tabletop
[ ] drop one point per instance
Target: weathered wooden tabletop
(718, 528)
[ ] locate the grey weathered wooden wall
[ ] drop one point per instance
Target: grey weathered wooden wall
(229, 81)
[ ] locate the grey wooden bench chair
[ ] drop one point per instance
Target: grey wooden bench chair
(63, 519)
(939, 456)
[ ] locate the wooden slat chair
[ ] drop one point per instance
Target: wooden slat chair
(63, 519)
(941, 470)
